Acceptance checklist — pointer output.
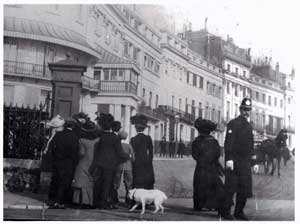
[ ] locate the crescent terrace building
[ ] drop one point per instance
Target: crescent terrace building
(132, 67)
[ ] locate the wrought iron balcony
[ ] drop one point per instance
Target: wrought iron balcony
(153, 114)
(118, 87)
(26, 69)
(172, 111)
(90, 83)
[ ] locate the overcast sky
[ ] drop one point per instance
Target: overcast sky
(269, 27)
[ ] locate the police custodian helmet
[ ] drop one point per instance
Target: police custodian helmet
(246, 104)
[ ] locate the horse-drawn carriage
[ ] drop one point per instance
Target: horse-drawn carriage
(270, 151)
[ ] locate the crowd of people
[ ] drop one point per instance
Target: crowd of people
(90, 159)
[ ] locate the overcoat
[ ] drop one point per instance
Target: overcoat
(209, 189)
(143, 174)
(108, 152)
(64, 149)
(239, 147)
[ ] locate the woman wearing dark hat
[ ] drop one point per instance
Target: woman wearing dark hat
(143, 174)
(83, 180)
(208, 187)
(80, 119)
(108, 154)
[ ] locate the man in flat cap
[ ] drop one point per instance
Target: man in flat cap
(239, 153)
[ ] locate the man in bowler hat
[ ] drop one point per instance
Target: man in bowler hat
(239, 156)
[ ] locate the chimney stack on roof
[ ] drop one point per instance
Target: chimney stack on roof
(277, 66)
(293, 72)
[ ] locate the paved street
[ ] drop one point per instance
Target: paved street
(268, 210)
(273, 201)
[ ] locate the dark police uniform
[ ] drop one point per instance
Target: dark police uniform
(239, 147)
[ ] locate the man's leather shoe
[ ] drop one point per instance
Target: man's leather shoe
(241, 216)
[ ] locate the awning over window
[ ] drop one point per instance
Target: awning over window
(36, 30)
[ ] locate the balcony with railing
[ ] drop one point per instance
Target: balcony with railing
(172, 111)
(90, 84)
(153, 114)
(126, 87)
(25, 69)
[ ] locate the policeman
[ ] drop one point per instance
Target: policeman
(239, 155)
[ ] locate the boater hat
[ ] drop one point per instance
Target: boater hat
(246, 104)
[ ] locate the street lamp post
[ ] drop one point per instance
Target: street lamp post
(177, 116)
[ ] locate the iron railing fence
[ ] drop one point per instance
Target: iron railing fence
(24, 131)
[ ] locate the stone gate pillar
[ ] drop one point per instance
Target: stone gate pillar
(66, 83)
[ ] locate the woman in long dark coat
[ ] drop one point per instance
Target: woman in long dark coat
(208, 186)
(143, 174)
(83, 181)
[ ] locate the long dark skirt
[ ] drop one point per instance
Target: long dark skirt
(209, 189)
(143, 176)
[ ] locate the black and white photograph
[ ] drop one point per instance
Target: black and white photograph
(149, 111)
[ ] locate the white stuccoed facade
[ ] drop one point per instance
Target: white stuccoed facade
(153, 68)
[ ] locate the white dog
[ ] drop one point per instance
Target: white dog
(143, 197)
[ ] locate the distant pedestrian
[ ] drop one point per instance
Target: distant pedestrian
(108, 154)
(143, 174)
(64, 149)
(209, 190)
(125, 169)
(172, 146)
(163, 147)
(83, 181)
(181, 149)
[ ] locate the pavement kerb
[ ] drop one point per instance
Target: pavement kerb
(25, 206)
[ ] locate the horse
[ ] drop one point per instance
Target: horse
(270, 151)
